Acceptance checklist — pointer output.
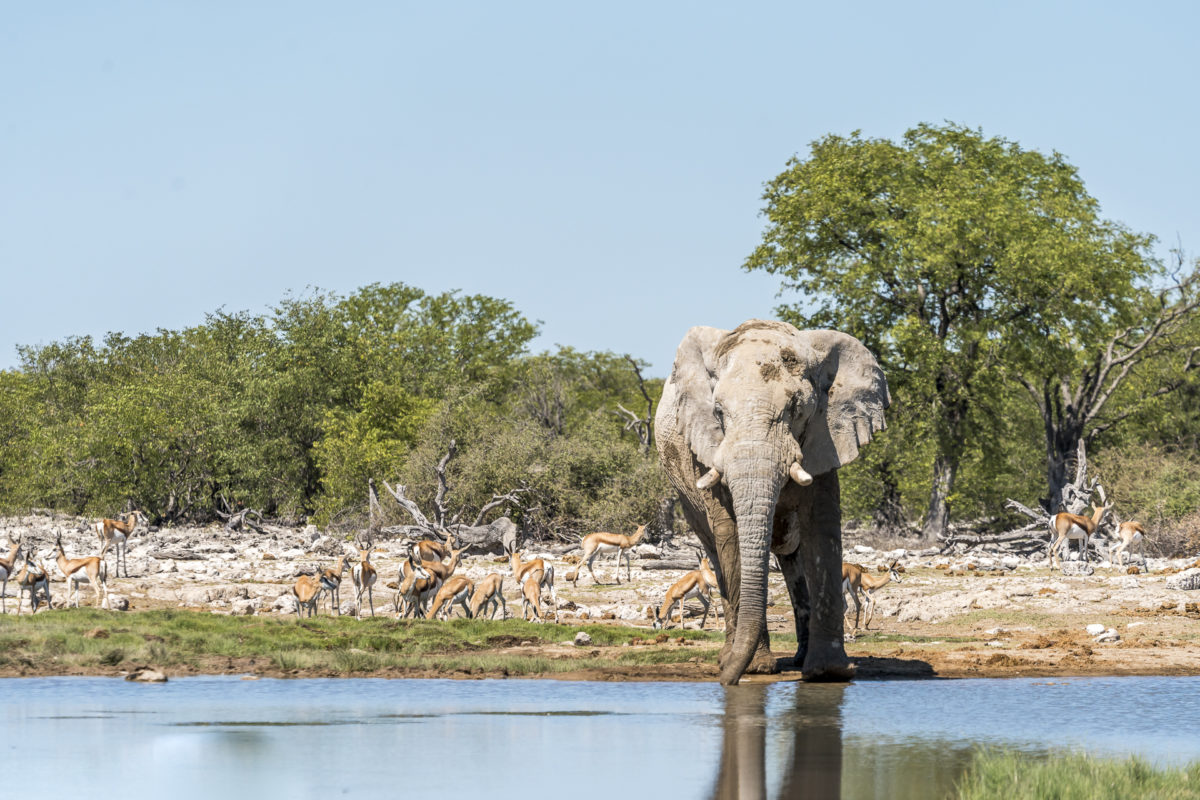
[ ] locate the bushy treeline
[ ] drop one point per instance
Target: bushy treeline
(292, 411)
(1012, 320)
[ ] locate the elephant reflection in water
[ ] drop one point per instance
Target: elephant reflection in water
(814, 768)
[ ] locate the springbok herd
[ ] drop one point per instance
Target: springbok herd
(427, 585)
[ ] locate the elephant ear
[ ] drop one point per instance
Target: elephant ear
(851, 394)
(692, 380)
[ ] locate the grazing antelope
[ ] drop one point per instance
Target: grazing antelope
(457, 589)
(7, 565)
(436, 551)
(520, 570)
(699, 584)
(489, 592)
(440, 570)
(416, 587)
(1066, 527)
(115, 533)
(76, 569)
(596, 543)
(531, 597)
(1128, 533)
(32, 577)
(543, 571)
(331, 582)
(855, 579)
(307, 591)
(363, 575)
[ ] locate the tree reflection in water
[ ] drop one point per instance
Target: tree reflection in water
(813, 768)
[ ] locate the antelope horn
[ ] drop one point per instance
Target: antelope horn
(798, 474)
(709, 479)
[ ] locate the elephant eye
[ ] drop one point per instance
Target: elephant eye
(719, 413)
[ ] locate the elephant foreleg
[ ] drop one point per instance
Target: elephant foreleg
(793, 577)
(821, 557)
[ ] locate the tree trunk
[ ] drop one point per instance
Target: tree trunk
(888, 516)
(937, 520)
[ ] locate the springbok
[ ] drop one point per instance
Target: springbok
(115, 533)
(77, 569)
(436, 551)
(416, 587)
(855, 579)
(1128, 534)
(457, 589)
(307, 591)
(596, 543)
(440, 570)
(489, 592)
(363, 575)
(32, 577)
(531, 597)
(331, 582)
(7, 566)
(545, 575)
(699, 584)
(1066, 527)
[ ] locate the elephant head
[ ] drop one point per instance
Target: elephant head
(758, 407)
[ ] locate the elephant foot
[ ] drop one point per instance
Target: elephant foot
(826, 662)
(762, 663)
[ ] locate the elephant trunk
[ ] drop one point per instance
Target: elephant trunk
(754, 482)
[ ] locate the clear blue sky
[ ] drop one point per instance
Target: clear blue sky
(599, 165)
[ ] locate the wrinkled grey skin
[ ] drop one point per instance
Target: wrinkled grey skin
(750, 403)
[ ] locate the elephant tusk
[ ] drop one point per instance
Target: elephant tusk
(709, 480)
(798, 474)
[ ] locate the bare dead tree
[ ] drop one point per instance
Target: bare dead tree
(236, 520)
(1073, 406)
(442, 524)
(642, 426)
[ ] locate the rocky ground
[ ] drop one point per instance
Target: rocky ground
(960, 616)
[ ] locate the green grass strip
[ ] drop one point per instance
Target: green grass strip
(1013, 776)
(167, 638)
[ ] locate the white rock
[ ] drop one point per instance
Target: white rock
(1095, 629)
(1190, 583)
(995, 643)
(245, 608)
(1010, 562)
(118, 602)
(1077, 569)
(146, 675)
(285, 604)
(646, 550)
(582, 639)
(630, 613)
(347, 607)
(862, 548)
(1184, 580)
(1109, 636)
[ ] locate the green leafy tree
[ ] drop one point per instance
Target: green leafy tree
(957, 258)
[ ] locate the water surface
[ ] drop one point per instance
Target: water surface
(219, 736)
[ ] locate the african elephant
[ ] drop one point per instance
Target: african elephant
(751, 429)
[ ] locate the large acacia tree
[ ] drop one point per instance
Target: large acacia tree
(958, 258)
